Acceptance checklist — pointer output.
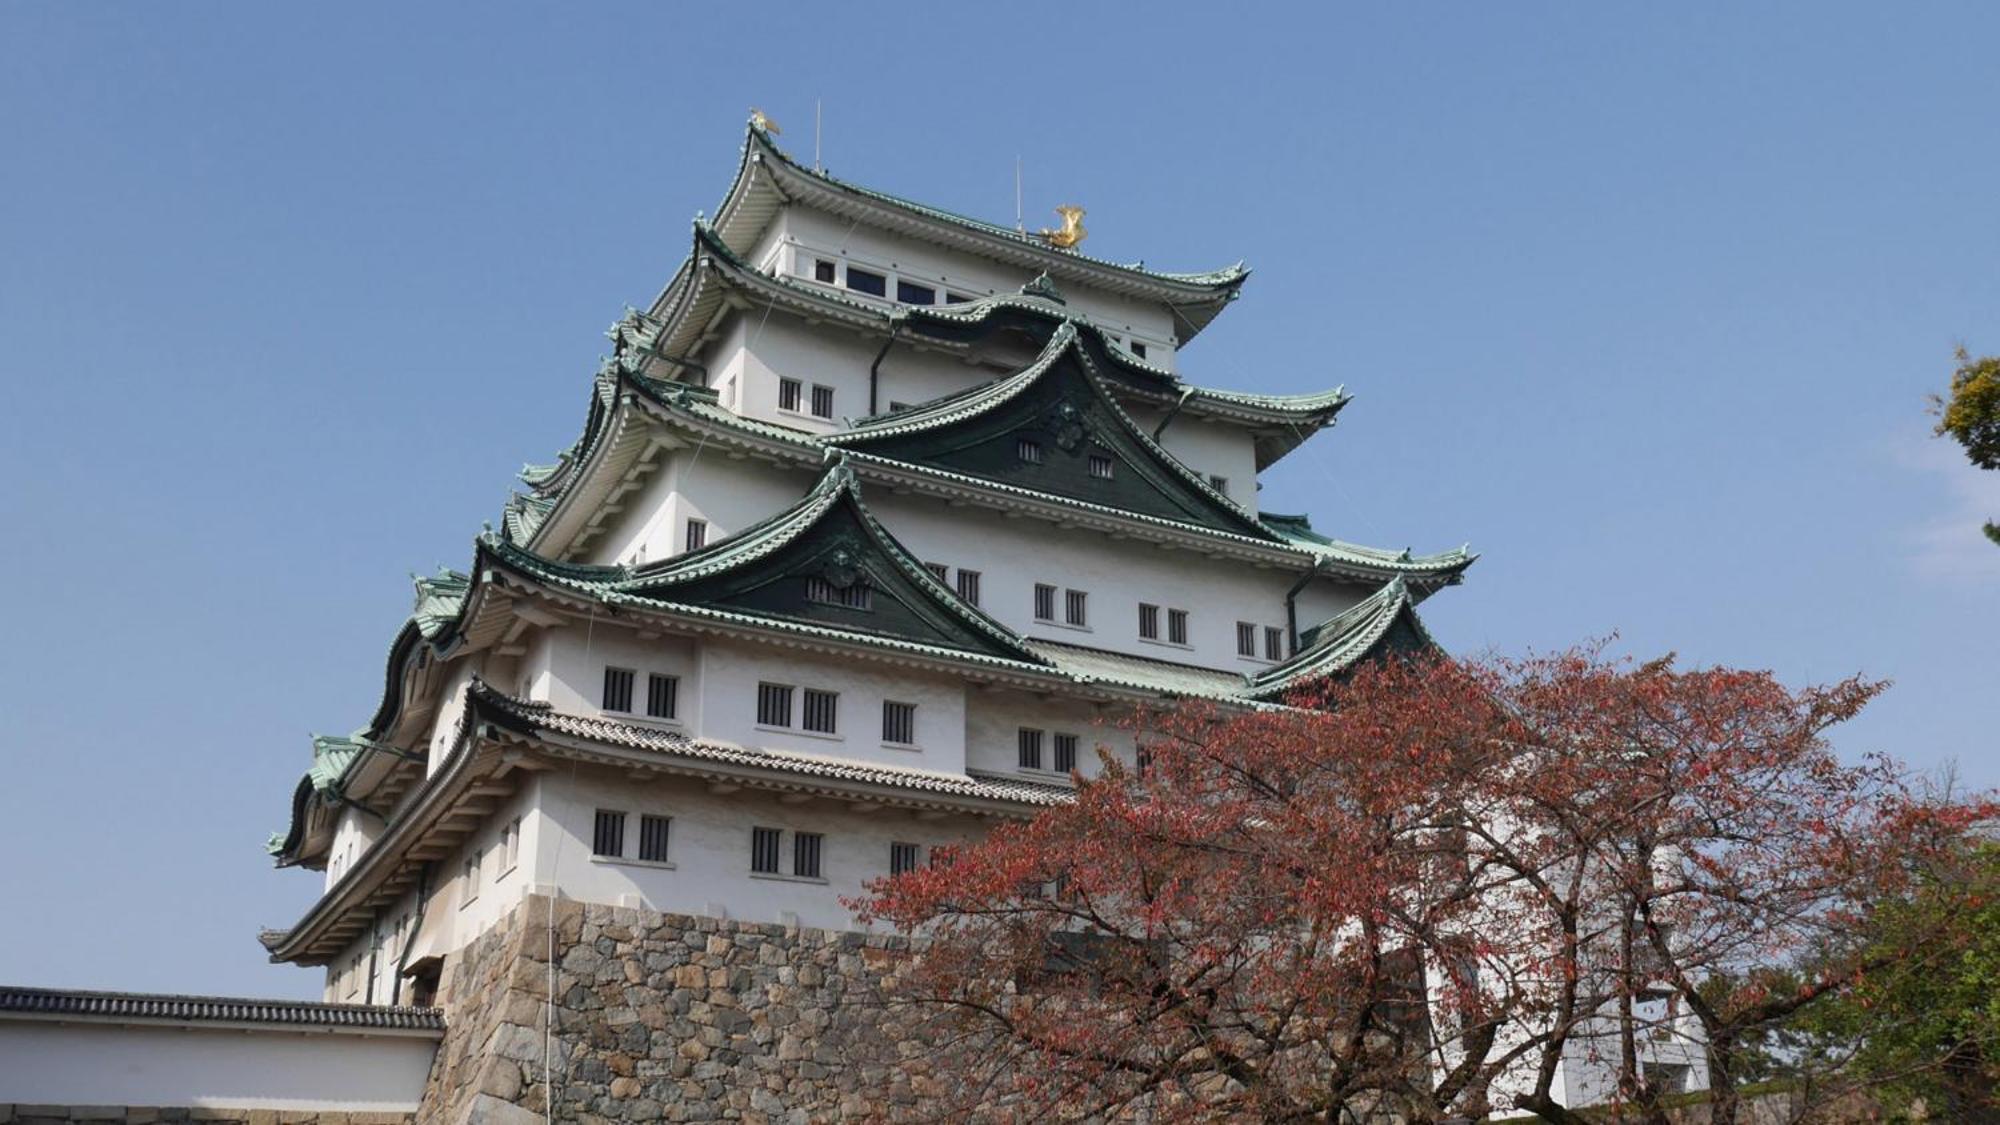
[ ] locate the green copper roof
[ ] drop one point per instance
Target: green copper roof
(1383, 622)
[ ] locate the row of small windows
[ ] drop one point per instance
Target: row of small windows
(607, 836)
(1029, 452)
(967, 585)
(855, 595)
(827, 271)
(792, 392)
(506, 852)
(768, 851)
(1028, 742)
(663, 693)
(1246, 640)
(1076, 605)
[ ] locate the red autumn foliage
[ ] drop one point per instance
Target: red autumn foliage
(1426, 889)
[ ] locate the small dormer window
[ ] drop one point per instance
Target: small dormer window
(867, 281)
(910, 293)
(697, 534)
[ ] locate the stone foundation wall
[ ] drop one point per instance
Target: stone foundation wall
(167, 1115)
(667, 1017)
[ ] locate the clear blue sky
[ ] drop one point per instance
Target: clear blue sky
(1644, 303)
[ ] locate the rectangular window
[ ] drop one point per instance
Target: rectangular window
(822, 401)
(941, 571)
(1177, 626)
(1102, 467)
(805, 854)
(899, 723)
(697, 535)
(1274, 643)
(607, 837)
(958, 299)
(823, 270)
(1219, 483)
(774, 705)
(898, 407)
(867, 281)
(821, 711)
(1143, 760)
(513, 850)
(911, 293)
(663, 696)
(1030, 745)
(790, 394)
(472, 873)
(902, 857)
(617, 689)
(1139, 349)
(764, 850)
(653, 838)
(855, 595)
(1065, 753)
(968, 585)
(1045, 602)
(1028, 450)
(1149, 621)
(1075, 607)
(1246, 639)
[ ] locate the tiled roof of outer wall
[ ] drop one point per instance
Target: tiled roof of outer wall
(151, 1007)
(540, 718)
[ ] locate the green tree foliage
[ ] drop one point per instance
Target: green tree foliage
(1927, 1026)
(1970, 415)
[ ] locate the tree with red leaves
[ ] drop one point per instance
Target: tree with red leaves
(1434, 889)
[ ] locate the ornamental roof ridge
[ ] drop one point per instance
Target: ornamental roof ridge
(1217, 283)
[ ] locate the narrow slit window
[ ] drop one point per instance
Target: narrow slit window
(1246, 639)
(607, 836)
(1045, 602)
(910, 293)
(821, 711)
(1149, 622)
(867, 281)
(1029, 743)
(791, 393)
(1064, 753)
(663, 696)
(1177, 631)
(653, 832)
(1076, 606)
(697, 535)
(899, 723)
(822, 401)
(1274, 643)
(618, 689)
(805, 854)
(764, 844)
(774, 705)
(903, 857)
(1028, 450)
(1102, 467)
(968, 585)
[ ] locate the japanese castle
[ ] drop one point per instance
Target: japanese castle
(879, 518)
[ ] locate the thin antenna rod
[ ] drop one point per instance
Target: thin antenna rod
(1019, 226)
(816, 166)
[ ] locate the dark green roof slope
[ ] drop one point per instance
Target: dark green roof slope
(1380, 624)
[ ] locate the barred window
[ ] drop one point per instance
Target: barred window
(663, 696)
(653, 838)
(823, 270)
(822, 401)
(607, 836)
(790, 392)
(899, 723)
(1045, 602)
(1274, 643)
(1065, 753)
(855, 595)
(1143, 759)
(821, 711)
(939, 571)
(805, 854)
(618, 689)
(1149, 621)
(764, 850)
(903, 857)
(1075, 605)
(1219, 483)
(1102, 467)
(1246, 639)
(774, 705)
(1030, 745)
(1028, 450)
(697, 535)
(968, 585)
(1177, 626)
